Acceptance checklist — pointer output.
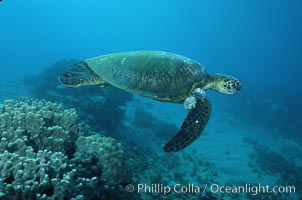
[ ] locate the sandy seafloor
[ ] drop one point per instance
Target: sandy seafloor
(227, 145)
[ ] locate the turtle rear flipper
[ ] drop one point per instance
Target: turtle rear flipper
(191, 127)
(80, 74)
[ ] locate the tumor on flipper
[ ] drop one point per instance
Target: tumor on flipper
(191, 127)
(197, 94)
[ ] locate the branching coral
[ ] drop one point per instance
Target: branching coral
(38, 158)
(40, 124)
(111, 156)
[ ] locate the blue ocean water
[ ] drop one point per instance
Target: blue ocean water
(260, 42)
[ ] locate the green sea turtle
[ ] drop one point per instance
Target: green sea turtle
(161, 76)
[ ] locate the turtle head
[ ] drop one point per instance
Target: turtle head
(224, 83)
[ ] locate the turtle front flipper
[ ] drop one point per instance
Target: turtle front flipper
(80, 74)
(191, 127)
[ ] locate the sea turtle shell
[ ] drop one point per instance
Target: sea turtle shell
(154, 74)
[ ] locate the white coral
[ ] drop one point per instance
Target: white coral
(111, 156)
(44, 124)
(35, 157)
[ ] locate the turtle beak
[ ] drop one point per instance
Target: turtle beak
(237, 85)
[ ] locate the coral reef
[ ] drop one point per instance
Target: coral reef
(109, 153)
(40, 124)
(41, 175)
(42, 157)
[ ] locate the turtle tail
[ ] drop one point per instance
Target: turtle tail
(191, 127)
(80, 74)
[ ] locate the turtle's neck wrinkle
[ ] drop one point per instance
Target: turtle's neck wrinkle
(211, 82)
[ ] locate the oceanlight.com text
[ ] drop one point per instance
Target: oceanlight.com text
(191, 188)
